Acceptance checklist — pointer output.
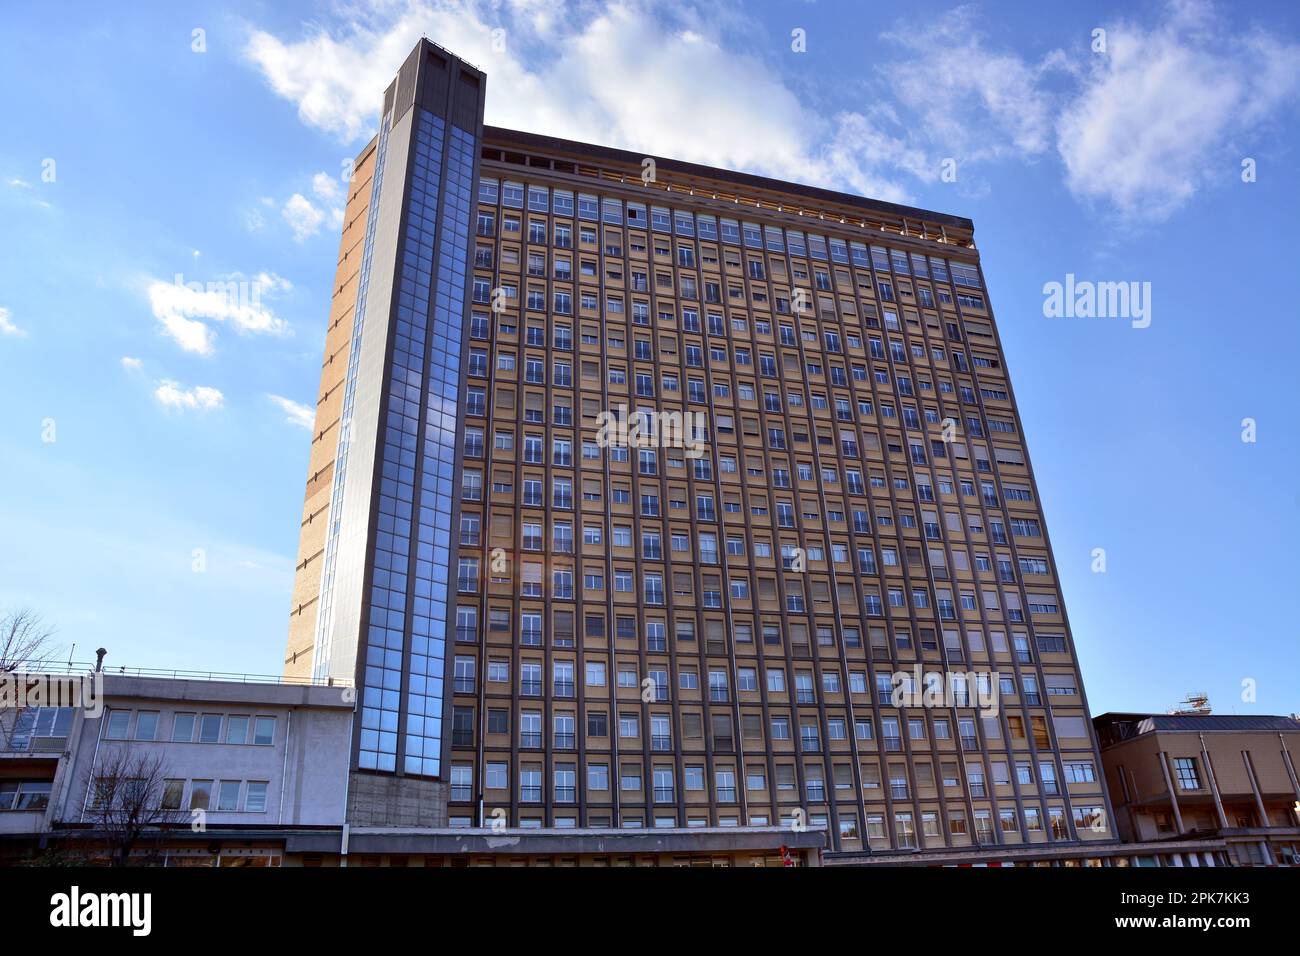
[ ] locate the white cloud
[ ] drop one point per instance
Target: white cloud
(186, 309)
(295, 413)
(326, 187)
(1137, 128)
(18, 183)
(972, 102)
(1157, 112)
(131, 364)
(172, 396)
(7, 326)
(303, 218)
(866, 158)
(622, 77)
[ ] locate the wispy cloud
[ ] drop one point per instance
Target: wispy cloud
(1137, 128)
(973, 101)
(28, 193)
(295, 413)
(187, 309)
(1158, 111)
(7, 326)
(132, 364)
(172, 395)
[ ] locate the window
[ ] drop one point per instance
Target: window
(264, 731)
(146, 725)
(200, 794)
(1184, 770)
(237, 730)
(173, 793)
(24, 794)
(117, 724)
(210, 729)
(183, 728)
(255, 797)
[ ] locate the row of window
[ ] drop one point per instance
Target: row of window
(529, 582)
(891, 390)
(595, 489)
(531, 681)
(742, 634)
(810, 727)
(211, 794)
(703, 549)
(564, 784)
(201, 728)
(201, 794)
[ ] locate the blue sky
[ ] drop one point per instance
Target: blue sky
(180, 424)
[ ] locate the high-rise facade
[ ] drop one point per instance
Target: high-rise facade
(642, 492)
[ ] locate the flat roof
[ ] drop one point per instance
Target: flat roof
(517, 138)
(249, 693)
(1201, 722)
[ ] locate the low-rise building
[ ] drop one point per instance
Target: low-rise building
(1221, 779)
(243, 773)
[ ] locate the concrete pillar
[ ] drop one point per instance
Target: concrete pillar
(1177, 859)
(1254, 788)
(1290, 768)
(1214, 784)
(1163, 758)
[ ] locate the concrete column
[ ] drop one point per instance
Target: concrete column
(1290, 767)
(1169, 787)
(1214, 784)
(1209, 858)
(1177, 858)
(1254, 788)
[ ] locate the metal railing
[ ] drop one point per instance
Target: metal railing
(86, 667)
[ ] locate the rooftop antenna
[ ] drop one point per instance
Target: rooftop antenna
(1193, 704)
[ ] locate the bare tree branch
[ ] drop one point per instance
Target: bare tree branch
(26, 643)
(127, 802)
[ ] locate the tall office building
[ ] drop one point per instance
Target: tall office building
(635, 483)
